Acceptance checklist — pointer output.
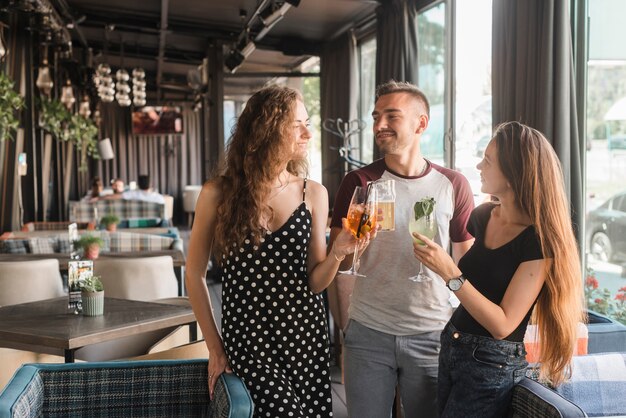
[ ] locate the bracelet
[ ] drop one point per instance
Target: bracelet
(335, 255)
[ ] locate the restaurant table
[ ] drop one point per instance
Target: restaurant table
(48, 326)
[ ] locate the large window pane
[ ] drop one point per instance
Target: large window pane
(606, 159)
(472, 88)
(432, 66)
(367, 71)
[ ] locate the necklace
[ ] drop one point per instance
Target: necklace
(282, 186)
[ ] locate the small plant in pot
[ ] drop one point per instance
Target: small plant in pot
(109, 222)
(92, 295)
(90, 244)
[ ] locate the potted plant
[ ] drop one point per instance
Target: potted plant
(92, 294)
(90, 244)
(110, 222)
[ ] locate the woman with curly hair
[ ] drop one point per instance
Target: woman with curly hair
(266, 227)
(524, 257)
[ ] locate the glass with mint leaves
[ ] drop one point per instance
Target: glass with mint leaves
(422, 220)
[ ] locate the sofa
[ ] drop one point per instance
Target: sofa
(132, 213)
(119, 241)
(597, 389)
(149, 388)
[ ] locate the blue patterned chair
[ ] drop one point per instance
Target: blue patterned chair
(596, 389)
(157, 388)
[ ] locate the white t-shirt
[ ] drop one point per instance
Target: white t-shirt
(386, 300)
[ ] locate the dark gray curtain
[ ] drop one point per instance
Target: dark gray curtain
(396, 41)
(172, 161)
(338, 100)
(534, 82)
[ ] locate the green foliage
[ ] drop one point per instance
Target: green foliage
(86, 240)
(91, 284)
(424, 207)
(65, 126)
(109, 219)
(10, 101)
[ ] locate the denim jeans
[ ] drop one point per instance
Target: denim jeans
(376, 362)
(477, 374)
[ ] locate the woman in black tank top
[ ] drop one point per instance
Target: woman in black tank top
(524, 260)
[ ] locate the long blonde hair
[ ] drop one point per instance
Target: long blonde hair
(531, 166)
(260, 147)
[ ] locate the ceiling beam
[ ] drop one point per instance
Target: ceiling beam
(162, 36)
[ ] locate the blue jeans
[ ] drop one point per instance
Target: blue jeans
(376, 362)
(477, 374)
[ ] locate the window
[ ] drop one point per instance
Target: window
(431, 54)
(367, 87)
(472, 86)
(605, 235)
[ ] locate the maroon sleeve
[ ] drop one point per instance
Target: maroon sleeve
(463, 207)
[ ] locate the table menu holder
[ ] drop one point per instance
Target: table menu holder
(77, 270)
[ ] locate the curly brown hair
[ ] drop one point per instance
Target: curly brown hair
(260, 147)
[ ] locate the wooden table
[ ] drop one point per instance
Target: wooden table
(49, 327)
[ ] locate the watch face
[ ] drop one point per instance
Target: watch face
(455, 284)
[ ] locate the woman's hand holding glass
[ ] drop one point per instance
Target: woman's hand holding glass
(430, 254)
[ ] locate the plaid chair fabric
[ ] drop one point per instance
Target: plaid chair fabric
(42, 245)
(14, 246)
(130, 241)
(124, 209)
(598, 384)
(165, 388)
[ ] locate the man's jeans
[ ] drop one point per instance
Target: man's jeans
(477, 374)
(375, 363)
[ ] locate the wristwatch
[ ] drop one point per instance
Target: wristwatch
(455, 283)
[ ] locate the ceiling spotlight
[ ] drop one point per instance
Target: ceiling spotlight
(234, 60)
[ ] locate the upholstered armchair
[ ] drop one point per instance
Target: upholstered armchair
(158, 388)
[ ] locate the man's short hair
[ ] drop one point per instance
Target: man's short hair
(393, 86)
(144, 182)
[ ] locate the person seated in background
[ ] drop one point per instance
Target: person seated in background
(117, 189)
(145, 192)
(96, 190)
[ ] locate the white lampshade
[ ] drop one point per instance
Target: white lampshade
(105, 149)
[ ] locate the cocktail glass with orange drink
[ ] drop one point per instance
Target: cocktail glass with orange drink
(361, 219)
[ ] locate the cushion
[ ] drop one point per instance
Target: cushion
(144, 222)
(63, 245)
(130, 241)
(598, 384)
(14, 246)
(42, 245)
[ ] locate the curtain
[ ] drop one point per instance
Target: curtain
(396, 40)
(533, 82)
(338, 92)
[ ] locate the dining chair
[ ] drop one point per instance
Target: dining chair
(22, 282)
(29, 281)
(144, 279)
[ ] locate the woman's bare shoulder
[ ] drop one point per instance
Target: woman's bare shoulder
(212, 189)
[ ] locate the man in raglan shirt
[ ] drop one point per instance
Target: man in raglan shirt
(392, 326)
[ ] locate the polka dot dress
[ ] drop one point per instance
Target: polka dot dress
(274, 327)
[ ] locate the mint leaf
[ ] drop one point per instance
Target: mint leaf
(424, 207)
